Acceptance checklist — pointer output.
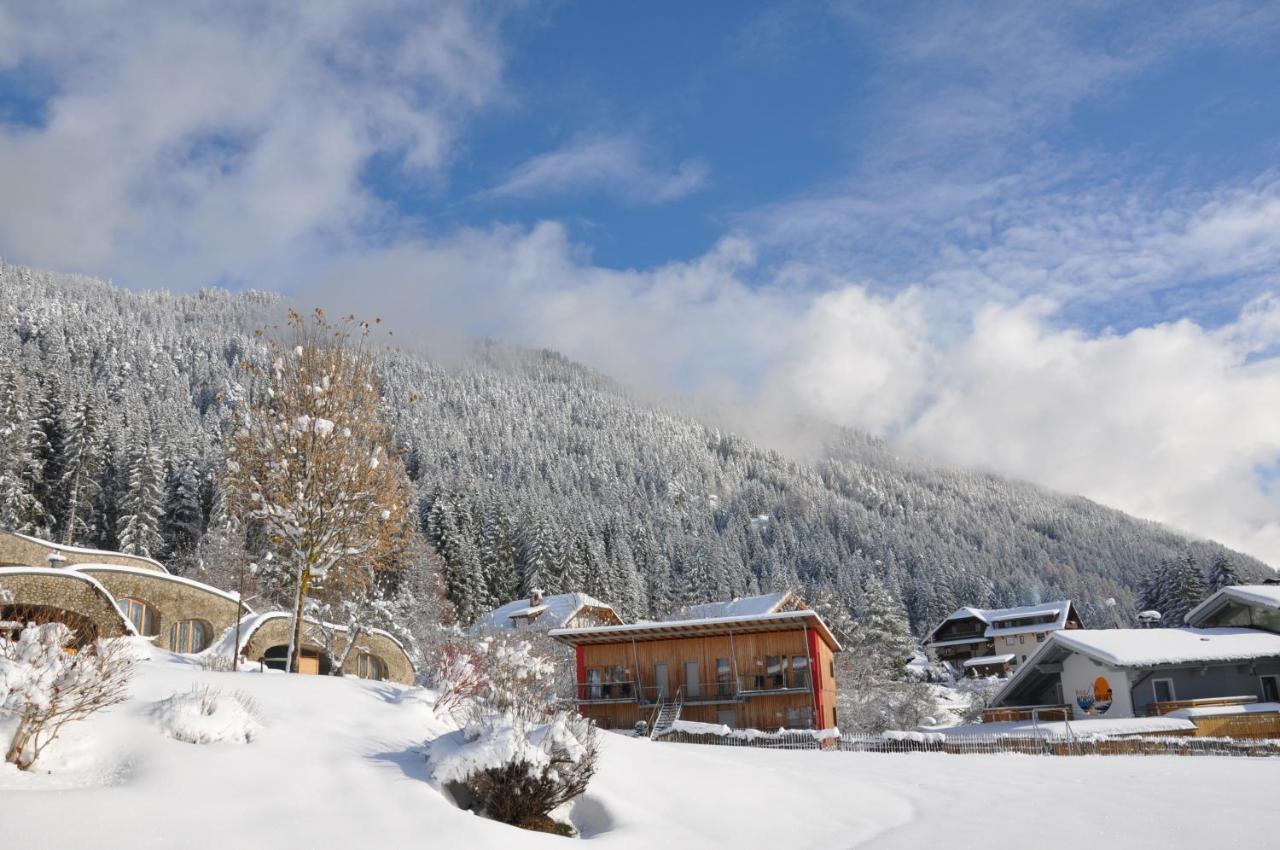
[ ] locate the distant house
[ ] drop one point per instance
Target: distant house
(1205, 668)
(563, 610)
(984, 641)
(763, 662)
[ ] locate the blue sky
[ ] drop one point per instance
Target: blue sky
(1041, 239)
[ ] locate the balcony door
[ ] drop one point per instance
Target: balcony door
(660, 680)
(691, 681)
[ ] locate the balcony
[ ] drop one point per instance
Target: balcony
(1157, 709)
(731, 690)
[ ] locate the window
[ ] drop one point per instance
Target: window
(1009, 641)
(370, 667)
(774, 676)
(593, 683)
(142, 615)
(757, 681)
(1270, 688)
(799, 718)
(188, 636)
(1163, 689)
(800, 671)
(1040, 637)
(727, 717)
(692, 687)
(724, 678)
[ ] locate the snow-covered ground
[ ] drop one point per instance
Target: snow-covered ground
(337, 763)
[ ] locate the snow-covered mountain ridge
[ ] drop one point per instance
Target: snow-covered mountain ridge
(528, 465)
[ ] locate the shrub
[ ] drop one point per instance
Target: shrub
(45, 685)
(206, 715)
(518, 757)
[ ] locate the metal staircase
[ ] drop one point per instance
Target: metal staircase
(667, 714)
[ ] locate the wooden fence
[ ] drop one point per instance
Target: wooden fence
(994, 744)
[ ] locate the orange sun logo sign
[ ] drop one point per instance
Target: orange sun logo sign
(1097, 700)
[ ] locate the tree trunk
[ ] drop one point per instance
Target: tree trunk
(21, 735)
(353, 632)
(295, 634)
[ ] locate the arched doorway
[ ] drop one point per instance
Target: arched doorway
(311, 660)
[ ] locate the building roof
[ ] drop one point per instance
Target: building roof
(75, 576)
(76, 550)
(988, 660)
(700, 627)
(225, 645)
(1009, 621)
(117, 568)
(1253, 595)
(1142, 648)
(1156, 647)
(553, 613)
(747, 606)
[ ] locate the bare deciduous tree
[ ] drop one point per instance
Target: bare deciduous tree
(310, 466)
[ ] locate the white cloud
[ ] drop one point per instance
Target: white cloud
(192, 144)
(1171, 422)
(608, 165)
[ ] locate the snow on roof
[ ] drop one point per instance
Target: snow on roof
(553, 613)
(998, 619)
(987, 660)
(117, 568)
(1256, 595)
(225, 644)
(766, 603)
(705, 625)
(72, 574)
(76, 550)
(1216, 710)
(1152, 647)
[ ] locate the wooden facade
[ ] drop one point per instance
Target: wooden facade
(758, 673)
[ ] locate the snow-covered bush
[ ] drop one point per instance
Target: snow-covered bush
(519, 756)
(205, 715)
(980, 691)
(45, 685)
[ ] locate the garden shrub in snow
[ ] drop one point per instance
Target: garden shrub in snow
(205, 715)
(45, 686)
(519, 756)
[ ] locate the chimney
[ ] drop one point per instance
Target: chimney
(535, 598)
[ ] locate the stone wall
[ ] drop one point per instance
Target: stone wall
(21, 551)
(69, 592)
(275, 632)
(172, 599)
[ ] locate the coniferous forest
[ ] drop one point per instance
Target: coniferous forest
(531, 471)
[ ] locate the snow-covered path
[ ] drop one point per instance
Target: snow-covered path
(339, 764)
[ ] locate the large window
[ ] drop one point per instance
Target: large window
(775, 675)
(724, 677)
(800, 671)
(1163, 690)
(142, 615)
(593, 683)
(188, 636)
(370, 667)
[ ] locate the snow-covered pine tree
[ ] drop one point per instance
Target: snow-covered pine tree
(81, 460)
(20, 470)
(1223, 574)
(143, 503)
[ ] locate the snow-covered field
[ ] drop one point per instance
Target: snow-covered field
(338, 763)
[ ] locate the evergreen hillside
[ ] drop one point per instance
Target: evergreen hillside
(531, 471)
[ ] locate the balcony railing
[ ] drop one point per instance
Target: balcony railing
(1156, 709)
(733, 689)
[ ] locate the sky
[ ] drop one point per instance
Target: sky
(1036, 239)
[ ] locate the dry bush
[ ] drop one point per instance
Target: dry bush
(46, 686)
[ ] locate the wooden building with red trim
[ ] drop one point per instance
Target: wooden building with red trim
(748, 671)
